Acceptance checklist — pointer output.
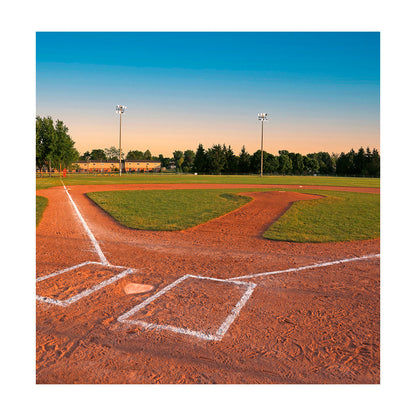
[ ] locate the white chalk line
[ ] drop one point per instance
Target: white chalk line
(219, 334)
(151, 299)
(103, 262)
(311, 266)
(86, 292)
(235, 312)
(237, 308)
(87, 229)
(68, 269)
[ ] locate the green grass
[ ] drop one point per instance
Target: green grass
(169, 210)
(43, 183)
(41, 204)
(85, 179)
(340, 216)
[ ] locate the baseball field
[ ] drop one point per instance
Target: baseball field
(207, 279)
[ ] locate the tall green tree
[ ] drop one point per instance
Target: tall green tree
(310, 163)
(45, 137)
(200, 161)
(134, 155)
(297, 162)
(188, 160)
(54, 145)
(113, 154)
(359, 162)
(255, 161)
(285, 164)
(63, 152)
(243, 161)
(326, 163)
(178, 158)
(341, 168)
(98, 154)
(147, 155)
(216, 159)
(231, 160)
(374, 164)
(86, 156)
(164, 161)
(270, 162)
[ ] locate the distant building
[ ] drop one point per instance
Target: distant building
(90, 166)
(142, 165)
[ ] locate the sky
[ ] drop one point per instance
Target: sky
(321, 90)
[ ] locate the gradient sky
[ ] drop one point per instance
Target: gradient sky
(321, 90)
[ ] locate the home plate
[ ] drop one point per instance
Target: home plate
(134, 288)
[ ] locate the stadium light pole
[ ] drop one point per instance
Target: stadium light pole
(120, 110)
(262, 117)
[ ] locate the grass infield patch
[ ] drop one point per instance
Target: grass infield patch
(353, 216)
(41, 204)
(340, 216)
(169, 210)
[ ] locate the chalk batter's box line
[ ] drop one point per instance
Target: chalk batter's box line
(86, 292)
(202, 335)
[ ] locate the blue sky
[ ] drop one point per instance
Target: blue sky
(322, 90)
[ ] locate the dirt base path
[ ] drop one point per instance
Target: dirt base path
(317, 324)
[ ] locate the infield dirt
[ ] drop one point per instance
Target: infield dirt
(317, 325)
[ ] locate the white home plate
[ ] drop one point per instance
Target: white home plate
(134, 288)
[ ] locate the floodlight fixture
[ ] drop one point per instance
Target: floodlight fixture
(120, 110)
(262, 117)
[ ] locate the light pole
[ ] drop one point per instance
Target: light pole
(120, 110)
(262, 117)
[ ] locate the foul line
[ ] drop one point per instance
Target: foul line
(90, 234)
(103, 262)
(312, 266)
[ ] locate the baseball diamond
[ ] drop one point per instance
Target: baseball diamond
(222, 304)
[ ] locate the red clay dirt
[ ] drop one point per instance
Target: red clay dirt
(319, 325)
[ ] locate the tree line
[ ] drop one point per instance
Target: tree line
(112, 155)
(220, 159)
(55, 148)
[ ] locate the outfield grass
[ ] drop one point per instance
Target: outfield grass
(339, 216)
(84, 179)
(41, 204)
(169, 210)
(43, 183)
